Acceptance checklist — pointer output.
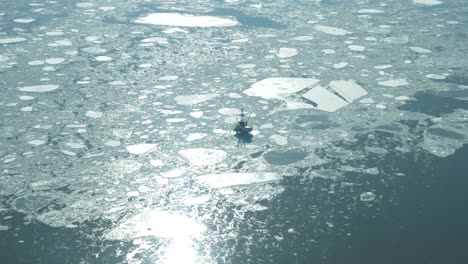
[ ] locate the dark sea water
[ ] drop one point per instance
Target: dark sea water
(117, 142)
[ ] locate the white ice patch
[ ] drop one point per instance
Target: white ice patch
(303, 38)
(349, 90)
(174, 173)
(36, 62)
(39, 88)
(194, 99)
(325, 100)
(196, 114)
(157, 224)
(186, 20)
(11, 40)
(394, 83)
(280, 140)
(168, 78)
(233, 179)
(229, 111)
(94, 50)
(54, 60)
(195, 136)
(435, 76)
(332, 30)
(370, 11)
(158, 40)
(3, 58)
(24, 20)
(340, 65)
(397, 40)
(287, 53)
(420, 50)
(203, 156)
(93, 114)
(356, 48)
(140, 149)
(26, 98)
(103, 58)
(367, 196)
(279, 88)
(427, 2)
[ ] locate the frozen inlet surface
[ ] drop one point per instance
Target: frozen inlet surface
(186, 20)
(325, 100)
(158, 224)
(279, 88)
(223, 180)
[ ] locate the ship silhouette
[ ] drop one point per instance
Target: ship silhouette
(243, 132)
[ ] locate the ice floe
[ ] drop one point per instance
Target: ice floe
(397, 39)
(370, 11)
(287, 52)
(140, 149)
(54, 60)
(435, 76)
(303, 38)
(158, 40)
(203, 156)
(24, 20)
(195, 98)
(279, 88)
(39, 88)
(394, 83)
(168, 78)
(420, 50)
(427, 2)
(186, 20)
(11, 40)
(349, 90)
(367, 196)
(94, 114)
(195, 136)
(325, 100)
(340, 65)
(280, 140)
(356, 48)
(3, 58)
(103, 58)
(224, 180)
(332, 30)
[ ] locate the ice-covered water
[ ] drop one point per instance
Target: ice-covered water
(117, 116)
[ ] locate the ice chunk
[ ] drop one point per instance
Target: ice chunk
(370, 11)
(233, 179)
(332, 30)
(203, 156)
(103, 58)
(287, 52)
(93, 114)
(24, 20)
(280, 140)
(303, 38)
(36, 62)
(174, 173)
(39, 88)
(195, 98)
(158, 40)
(427, 2)
(186, 20)
(397, 40)
(279, 88)
(340, 65)
(158, 224)
(229, 111)
(11, 40)
(195, 136)
(54, 60)
(394, 83)
(356, 48)
(168, 78)
(3, 58)
(349, 90)
(420, 50)
(435, 76)
(367, 196)
(140, 149)
(325, 100)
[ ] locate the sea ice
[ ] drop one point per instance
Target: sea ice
(3, 58)
(195, 136)
(54, 60)
(140, 149)
(279, 88)
(229, 111)
(224, 180)
(349, 90)
(340, 65)
(174, 173)
(94, 114)
(367, 196)
(325, 100)
(24, 20)
(186, 20)
(370, 11)
(394, 83)
(427, 2)
(280, 140)
(332, 30)
(11, 40)
(203, 156)
(420, 50)
(287, 52)
(195, 98)
(397, 39)
(158, 40)
(435, 76)
(36, 62)
(356, 48)
(303, 38)
(168, 78)
(103, 58)
(39, 88)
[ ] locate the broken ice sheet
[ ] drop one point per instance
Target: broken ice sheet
(325, 100)
(224, 180)
(186, 20)
(203, 156)
(279, 88)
